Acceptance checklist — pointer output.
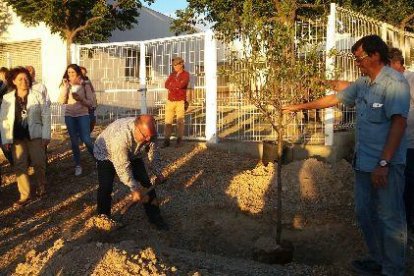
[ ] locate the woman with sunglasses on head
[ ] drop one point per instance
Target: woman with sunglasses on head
(77, 99)
(25, 129)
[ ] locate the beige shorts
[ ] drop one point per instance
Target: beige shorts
(173, 108)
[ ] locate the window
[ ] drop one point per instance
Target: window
(131, 63)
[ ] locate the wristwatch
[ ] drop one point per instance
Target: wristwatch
(383, 163)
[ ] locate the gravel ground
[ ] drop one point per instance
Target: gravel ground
(217, 205)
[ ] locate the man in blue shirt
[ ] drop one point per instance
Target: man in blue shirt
(382, 98)
(397, 63)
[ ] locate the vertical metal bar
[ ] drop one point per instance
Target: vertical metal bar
(9, 60)
(74, 48)
(142, 78)
(384, 31)
(210, 65)
(330, 67)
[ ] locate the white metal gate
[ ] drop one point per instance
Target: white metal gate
(129, 78)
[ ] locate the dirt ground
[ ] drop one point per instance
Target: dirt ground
(217, 204)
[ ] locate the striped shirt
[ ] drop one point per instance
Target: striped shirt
(117, 144)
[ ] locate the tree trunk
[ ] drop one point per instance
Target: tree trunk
(279, 156)
(69, 42)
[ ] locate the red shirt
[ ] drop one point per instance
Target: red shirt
(177, 86)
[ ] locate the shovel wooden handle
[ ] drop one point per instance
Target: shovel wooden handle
(131, 203)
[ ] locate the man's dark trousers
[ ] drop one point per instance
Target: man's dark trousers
(409, 189)
(106, 175)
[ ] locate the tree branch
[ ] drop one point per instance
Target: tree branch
(86, 25)
(277, 5)
(309, 6)
(267, 114)
(89, 22)
(410, 26)
(405, 21)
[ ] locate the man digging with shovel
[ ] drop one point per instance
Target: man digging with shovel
(119, 150)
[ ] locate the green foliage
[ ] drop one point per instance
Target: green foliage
(79, 20)
(398, 13)
(273, 68)
(184, 23)
(5, 17)
(224, 15)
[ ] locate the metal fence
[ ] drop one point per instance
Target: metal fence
(349, 27)
(129, 79)
(115, 71)
(240, 120)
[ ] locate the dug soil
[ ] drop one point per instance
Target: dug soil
(217, 205)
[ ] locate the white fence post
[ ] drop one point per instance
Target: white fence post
(142, 78)
(330, 67)
(9, 60)
(75, 53)
(210, 69)
(384, 32)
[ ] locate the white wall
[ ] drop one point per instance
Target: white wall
(53, 51)
(151, 25)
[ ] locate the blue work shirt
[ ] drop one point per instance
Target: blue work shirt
(376, 102)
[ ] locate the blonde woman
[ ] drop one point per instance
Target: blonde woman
(25, 128)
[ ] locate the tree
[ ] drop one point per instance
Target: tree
(5, 17)
(184, 23)
(270, 69)
(398, 13)
(217, 12)
(79, 20)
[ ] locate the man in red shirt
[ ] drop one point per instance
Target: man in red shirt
(176, 84)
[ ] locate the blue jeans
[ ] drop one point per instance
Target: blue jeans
(409, 188)
(79, 127)
(381, 216)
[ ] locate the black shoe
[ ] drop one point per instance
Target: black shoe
(179, 143)
(159, 223)
(166, 143)
(366, 267)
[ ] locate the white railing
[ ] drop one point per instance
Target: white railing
(129, 78)
(348, 27)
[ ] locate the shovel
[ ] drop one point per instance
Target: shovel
(130, 203)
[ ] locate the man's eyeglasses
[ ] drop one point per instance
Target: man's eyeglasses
(146, 138)
(359, 59)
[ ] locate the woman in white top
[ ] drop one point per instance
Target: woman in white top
(25, 128)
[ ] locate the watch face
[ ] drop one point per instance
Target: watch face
(383, 163)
